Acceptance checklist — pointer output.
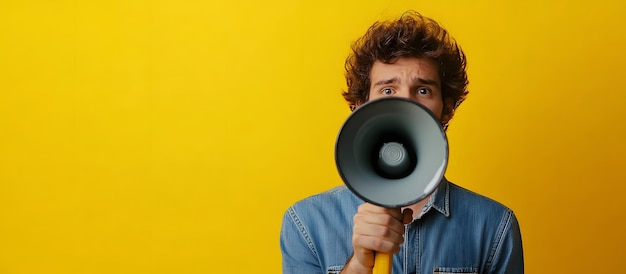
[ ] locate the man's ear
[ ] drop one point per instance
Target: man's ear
(447, 111)
(356, 105)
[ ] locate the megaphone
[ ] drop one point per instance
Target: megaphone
(392, 152)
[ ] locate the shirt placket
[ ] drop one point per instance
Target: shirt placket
(411, 252)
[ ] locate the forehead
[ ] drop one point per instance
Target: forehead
(408, 67)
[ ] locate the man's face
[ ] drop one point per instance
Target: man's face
(412, 78)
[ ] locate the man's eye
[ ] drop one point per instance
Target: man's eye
(387, 91)
(423, 91)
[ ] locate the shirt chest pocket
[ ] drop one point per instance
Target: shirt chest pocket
(450, 270)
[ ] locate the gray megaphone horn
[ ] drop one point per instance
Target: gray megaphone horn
(391, 152)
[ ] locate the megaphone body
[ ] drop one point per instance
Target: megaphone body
(391, 152)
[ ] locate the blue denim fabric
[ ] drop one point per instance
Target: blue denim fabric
(460, 232)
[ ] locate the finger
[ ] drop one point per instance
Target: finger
(393, 212)
(381, 220)
(364, 243)
(385, 233)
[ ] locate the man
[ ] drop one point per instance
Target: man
(451, 231)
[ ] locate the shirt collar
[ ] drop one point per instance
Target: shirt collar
(440, 200)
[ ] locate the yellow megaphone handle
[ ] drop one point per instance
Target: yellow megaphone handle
(382, 263)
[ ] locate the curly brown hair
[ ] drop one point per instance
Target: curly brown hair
(412, 35)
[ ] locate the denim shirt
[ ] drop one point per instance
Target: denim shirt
(458, 232)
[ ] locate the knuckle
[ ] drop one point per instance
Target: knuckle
(385, 231)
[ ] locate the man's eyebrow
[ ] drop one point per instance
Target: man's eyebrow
(387, 81)
(425, 81)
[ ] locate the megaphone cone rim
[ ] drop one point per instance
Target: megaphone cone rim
(379, 101)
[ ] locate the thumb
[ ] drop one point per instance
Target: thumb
(407, 216)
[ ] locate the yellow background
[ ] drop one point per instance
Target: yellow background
(170, 136)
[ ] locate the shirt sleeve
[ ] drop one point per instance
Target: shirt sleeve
(507, 254)
(298, 253)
